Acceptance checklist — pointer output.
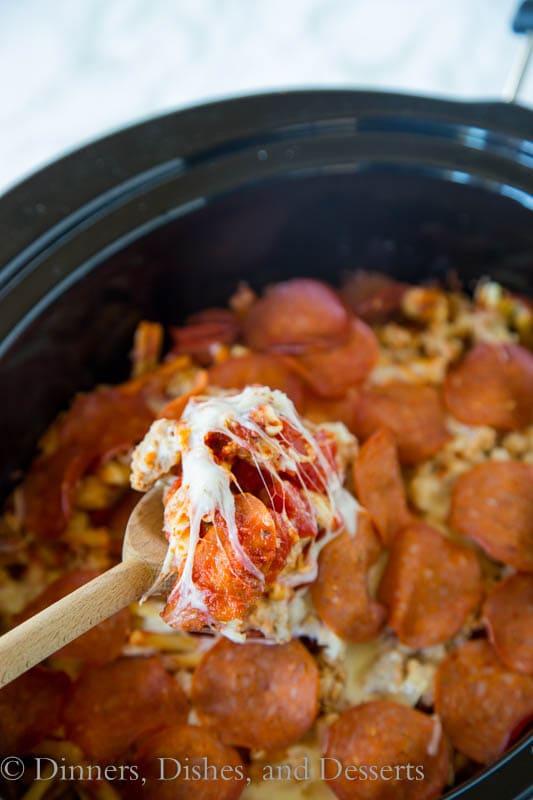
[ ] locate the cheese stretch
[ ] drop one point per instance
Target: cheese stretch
(261, 427)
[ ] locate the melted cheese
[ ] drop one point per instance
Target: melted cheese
(254, 421)
(436, 736)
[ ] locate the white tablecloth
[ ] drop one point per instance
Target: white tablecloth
(71, 70)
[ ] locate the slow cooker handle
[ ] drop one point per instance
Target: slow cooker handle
(522, 23)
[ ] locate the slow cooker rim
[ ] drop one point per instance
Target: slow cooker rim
(40, 206)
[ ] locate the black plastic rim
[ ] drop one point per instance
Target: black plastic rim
(62, 195)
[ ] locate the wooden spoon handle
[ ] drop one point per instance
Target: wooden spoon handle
(50, 629)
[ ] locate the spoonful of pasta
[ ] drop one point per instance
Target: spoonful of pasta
(241, 496)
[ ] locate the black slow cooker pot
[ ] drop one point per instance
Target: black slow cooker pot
(168, 216)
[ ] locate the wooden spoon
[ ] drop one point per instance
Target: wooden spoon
(143, 552)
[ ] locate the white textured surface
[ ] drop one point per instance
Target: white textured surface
(71, 70)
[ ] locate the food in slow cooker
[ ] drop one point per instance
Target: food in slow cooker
(408, 663)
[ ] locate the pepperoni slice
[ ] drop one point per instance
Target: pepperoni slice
(493, 385)
(331, 372)
(30, 708)
(226, 595)
(110, 420)
(284, 496)
(99, 645)
(296, 315)
(293, 515)
(203, 331)
(272, 370)
(379, 484)
(256, 695)
(96, 427)
(413, 412)
(49, 489)
(493, 504)
(481, 703)
(340, 592)
(256, 531)
(381, 749)
(287, 500)
(112, 705)
(228, 588)
(430, 586)
(508, 614)
(189, 763)
(373, 296)
(248, 478)
(320, 409)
